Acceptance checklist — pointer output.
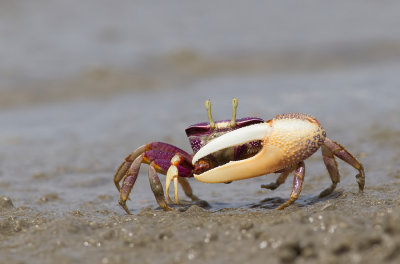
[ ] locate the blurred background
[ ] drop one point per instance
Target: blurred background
(83, 83)
(58, 50)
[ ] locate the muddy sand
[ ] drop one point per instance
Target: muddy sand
(344, 228)
(59, 203)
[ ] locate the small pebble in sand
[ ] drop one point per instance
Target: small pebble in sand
(5, 202)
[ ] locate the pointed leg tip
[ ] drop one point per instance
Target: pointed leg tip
(282, 206)
(323, 194)
(123, 205)
(287, 203)
(271, 186)
(327, 191)
(169, 199)
(361, 181)
(194, 198)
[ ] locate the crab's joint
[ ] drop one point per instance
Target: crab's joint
(279, 181)
(126, 165)
(123, 205)
(340, 152)
(177, 159)
(297, 185)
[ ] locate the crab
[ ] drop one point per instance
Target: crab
(237, 149)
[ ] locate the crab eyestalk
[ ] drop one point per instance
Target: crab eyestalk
(232, 124)
(210, 119)
(234, 109)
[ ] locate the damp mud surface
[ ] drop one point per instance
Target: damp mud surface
(346, 228)
(59, 203)
(71, 111)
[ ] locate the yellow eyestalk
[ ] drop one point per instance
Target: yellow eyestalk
(210, 119)
(234, 108)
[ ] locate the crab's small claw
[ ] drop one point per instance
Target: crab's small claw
(172, 175)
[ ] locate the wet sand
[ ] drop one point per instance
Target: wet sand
(345, 227)
(65, 130)
(60, 203)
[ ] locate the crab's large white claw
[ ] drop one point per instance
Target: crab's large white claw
(285, 142)
(237, 170)
(236, 137)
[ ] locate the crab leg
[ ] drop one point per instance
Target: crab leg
(157, 188)
(297, 185)
(281, 180)
(332, 167)
(187, 188)
(130, 179)
(128, 182)
(340, 152)
(126, 164)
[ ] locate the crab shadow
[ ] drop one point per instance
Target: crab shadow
(267, 203)
(275, 202)
(185, 205)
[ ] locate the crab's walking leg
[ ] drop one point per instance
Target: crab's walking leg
(187, 189)
(344, 155)
(281, 180)
(156, 187)
(332, 167)
(297, 185)
(126, 164)
(129, 181)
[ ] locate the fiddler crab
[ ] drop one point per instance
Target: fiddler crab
(237, 149)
